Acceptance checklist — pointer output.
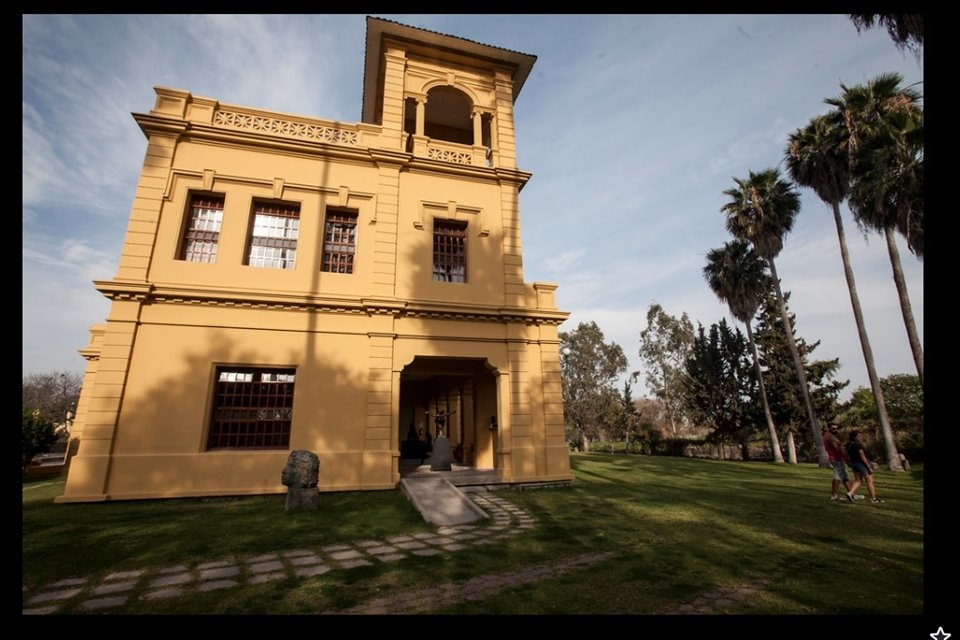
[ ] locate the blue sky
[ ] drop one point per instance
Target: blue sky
(633, 126)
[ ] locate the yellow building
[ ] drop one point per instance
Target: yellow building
(293, 283)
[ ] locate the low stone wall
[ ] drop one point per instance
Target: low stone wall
(44, 470)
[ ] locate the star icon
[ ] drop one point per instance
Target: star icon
(940, 635)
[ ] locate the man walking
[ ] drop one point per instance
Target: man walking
(831, 442)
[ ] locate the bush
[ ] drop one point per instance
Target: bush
(910, 444)
(36, 436)
(678, 447)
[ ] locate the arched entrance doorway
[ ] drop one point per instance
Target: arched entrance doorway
(453, 396)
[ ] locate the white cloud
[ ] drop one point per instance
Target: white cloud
(740, 152)
(70, 255)
(564, 262)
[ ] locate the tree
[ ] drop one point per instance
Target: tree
(887, 177)
(719, 384)
(736, 274)
(904, 396)
(36, 435)
(762, 210)
(664, 347)
(776, 359)
(628, 428)
(879, 126)
(817, 157)
(590, 368)
(905, 400)
(652, 423)
(53, 394)
(906, 29)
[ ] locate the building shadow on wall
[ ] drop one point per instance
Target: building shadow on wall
(169, 421)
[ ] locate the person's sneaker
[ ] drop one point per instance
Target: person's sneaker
(859, 497)
(850, 498)
(876, 500)
(834, 497)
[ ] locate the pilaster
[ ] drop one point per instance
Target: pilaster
(140, 239)
(89, 475)
(380, 442)
(506, 141)
(395, 64)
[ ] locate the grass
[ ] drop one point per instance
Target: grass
(677, 527)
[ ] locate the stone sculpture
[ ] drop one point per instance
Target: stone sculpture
(300, 477)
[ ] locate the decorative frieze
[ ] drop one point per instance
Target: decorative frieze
(286, 128)
(449, 155)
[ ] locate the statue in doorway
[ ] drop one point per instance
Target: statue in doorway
(440, 459)
(441, 421)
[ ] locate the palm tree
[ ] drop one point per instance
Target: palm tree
(815, 158)
(761, 211)
(906, 29)
(880, 126)
(737, 275)
(886, 177)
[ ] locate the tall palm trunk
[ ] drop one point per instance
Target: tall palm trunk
(791, 448)
(905, 307)
(822, 457)
(893, 458)
(774, 440)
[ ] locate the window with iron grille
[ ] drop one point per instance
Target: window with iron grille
(449, 251)
(203, 229)
(339, 241)
(252, 408)
(273, 239)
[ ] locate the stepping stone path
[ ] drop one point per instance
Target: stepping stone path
(478, 588)
(87, 594)
(718, 599)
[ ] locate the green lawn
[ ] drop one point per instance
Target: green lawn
(676, 527)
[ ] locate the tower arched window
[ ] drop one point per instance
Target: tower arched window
(448, 115)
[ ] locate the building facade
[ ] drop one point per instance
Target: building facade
(293, 283)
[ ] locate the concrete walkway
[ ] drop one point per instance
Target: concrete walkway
(440, 502)
(86, 594)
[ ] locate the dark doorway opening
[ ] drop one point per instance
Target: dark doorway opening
(452, 397)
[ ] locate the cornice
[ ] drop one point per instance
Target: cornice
(90, 353)
(247, 299)
(152, 124)
(120, 290)
(507, 174)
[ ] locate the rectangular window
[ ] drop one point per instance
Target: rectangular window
(273, 240)
(339, 242)
(203, 229)
(449, 251)
(252, 408)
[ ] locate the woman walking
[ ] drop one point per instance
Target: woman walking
(861, 467)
